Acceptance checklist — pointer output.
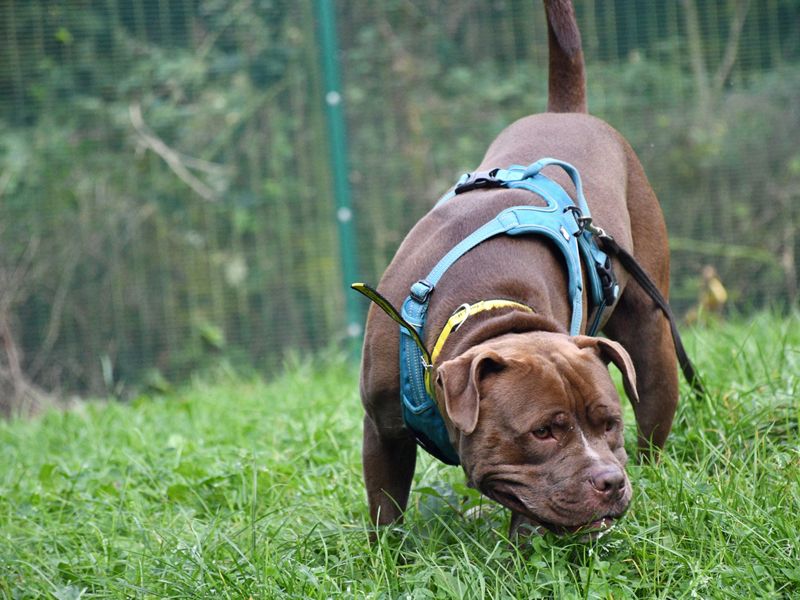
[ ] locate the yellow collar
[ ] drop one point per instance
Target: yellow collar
(461, 314)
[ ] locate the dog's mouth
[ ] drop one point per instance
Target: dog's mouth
(593, 529)
(509, 500)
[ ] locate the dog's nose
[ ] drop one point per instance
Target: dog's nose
(608, 481)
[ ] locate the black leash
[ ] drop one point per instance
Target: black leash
(610, 246)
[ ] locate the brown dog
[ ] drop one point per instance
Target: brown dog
(531, 411)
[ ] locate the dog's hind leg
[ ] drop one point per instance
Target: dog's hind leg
(388, 470)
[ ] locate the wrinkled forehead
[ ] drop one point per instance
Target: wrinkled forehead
(559, 377)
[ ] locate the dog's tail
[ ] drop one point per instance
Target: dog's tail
(567, 79)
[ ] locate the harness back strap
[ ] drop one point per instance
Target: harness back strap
(603, 289)
(517, 220)
(559, 221)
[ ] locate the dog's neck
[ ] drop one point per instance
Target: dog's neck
(484, 327)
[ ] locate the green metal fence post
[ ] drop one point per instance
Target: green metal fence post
(337, 144)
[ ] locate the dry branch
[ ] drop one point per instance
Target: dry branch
(175, 160)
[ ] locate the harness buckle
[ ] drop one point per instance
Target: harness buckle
(478, 180)
(421, 290)
(608, 281)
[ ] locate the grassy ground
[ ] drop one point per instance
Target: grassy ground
(250, 489)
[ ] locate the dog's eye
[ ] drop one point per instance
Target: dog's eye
(611, 425)
(542, 433)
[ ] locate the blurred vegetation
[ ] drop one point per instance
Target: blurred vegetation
(165, 190)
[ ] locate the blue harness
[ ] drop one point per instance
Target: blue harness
(561, 221)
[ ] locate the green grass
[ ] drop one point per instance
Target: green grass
(243, 488)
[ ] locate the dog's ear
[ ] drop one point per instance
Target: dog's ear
(610, 351)
(460, 380)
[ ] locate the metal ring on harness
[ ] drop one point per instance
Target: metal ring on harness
(466, 308)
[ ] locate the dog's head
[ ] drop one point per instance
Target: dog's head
(538, 426)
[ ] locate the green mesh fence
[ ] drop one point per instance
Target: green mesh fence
(166, 195)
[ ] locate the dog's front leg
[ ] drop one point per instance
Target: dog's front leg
(388, 470)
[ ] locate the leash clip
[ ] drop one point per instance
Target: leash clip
(582, 222)
(587, 225)
(421, 290)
